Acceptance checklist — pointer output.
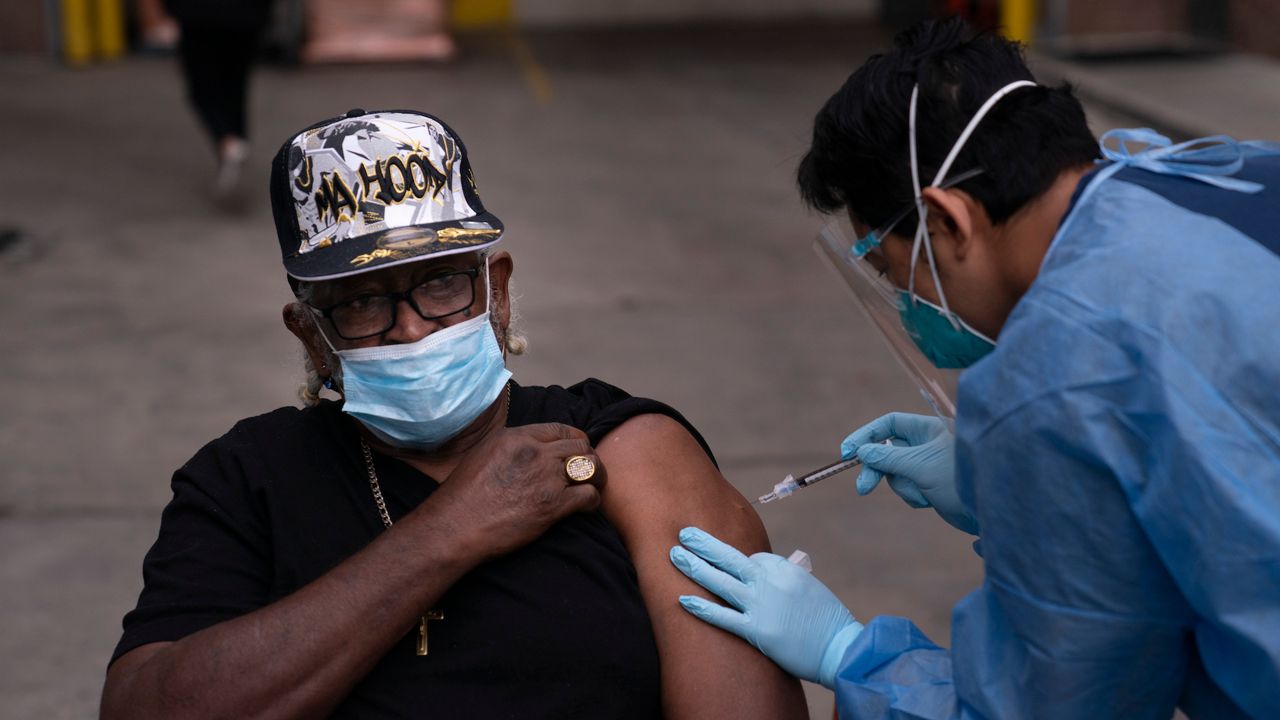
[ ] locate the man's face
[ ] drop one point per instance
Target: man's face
(892, 259)
(354, 307)
(961, 239)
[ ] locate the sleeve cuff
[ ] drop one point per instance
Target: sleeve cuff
(833, 656)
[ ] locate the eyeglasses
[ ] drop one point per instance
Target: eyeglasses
(873, 238)
(437, 297)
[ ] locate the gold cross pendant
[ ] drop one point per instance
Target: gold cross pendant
(422, 629)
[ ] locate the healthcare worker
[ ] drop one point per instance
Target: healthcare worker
(1117, 442)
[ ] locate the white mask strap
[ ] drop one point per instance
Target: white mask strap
(921, 230)
(320, 329)
(922, 227)
(488, 290)
(973, 125)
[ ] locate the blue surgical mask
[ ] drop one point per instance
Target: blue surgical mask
(946, 344)
(420, 395)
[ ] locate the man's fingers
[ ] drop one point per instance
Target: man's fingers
(891, 460)
(849, 447)
(583, 497)
(699, 571)
(915, 429)
(717, 615)
(718, 553)
(868, 478)
(908, 491)
(877, 430)
(569, 447)
(550, 432)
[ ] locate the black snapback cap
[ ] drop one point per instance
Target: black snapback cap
(373, 189)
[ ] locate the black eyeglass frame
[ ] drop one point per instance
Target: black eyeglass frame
(395, 298)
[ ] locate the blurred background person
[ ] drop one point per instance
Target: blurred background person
(157, 32)
(216, 48)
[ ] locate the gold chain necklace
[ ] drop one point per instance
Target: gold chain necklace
(376, 487)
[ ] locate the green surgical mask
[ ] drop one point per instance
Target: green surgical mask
(947, 345)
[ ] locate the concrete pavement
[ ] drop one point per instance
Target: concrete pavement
(1187, 97)
(659, 244)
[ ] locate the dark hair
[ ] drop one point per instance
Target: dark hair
(860, 155)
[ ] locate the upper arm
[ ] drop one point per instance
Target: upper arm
(120, 676)
(659, 481)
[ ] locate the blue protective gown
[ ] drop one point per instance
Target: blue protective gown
(1120, 450)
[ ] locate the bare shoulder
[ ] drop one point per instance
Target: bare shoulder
(652, 437)
(660, 479)
(654, 453)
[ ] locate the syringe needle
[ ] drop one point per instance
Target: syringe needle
(790, 483)
(781, 490)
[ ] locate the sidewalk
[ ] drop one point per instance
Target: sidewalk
(1184, 97)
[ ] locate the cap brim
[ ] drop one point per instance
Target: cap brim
(395, 246)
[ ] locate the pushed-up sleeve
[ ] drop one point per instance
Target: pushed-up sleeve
(211, 560)
(893, 671)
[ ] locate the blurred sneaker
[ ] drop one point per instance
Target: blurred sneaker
(160, 38)
(231, 157)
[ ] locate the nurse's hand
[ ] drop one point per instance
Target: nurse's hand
(775, 605)
(920, 463)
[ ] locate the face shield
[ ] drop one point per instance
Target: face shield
(928, 340)
(883, 304)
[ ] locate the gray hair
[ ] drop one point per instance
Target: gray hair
(513, 341)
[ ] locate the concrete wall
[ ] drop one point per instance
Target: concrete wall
(1255, 26)
(22, 26)
(618, 12)
(1098, 17)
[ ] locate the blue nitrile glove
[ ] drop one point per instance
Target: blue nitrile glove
(922, 468)
(776, 606)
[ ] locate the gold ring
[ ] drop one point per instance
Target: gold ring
(579, 468)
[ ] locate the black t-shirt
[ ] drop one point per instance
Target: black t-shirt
(556, 629)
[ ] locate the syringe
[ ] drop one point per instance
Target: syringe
(791, 484)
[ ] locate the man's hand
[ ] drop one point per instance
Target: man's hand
(920, 464)
(511, 488)
(272, 663)
(774, 605)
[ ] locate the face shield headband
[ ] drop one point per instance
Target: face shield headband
(885, 304)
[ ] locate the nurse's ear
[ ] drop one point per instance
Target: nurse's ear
(956, 220)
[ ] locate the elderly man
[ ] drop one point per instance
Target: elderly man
(441, 541)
